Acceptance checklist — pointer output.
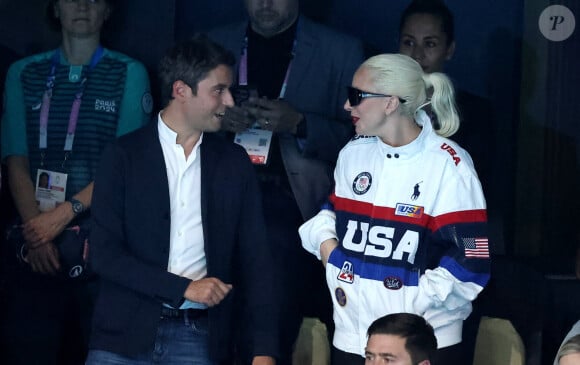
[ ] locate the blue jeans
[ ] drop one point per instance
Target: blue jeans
(179, 341)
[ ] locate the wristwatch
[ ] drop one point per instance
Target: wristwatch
(77, 206)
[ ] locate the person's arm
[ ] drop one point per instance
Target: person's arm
(113, 255)
(44, 227)
(15, 152)
(320, 134)
(326, 248)
(208, 291)
(21, 187)
(39, 228)
(318, 235)
(464, 266)
(44, 258)
(275, 115)
(137, 103)
(14, 145)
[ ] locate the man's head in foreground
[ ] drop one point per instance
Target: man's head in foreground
(402, 339)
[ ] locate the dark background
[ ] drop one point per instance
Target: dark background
(500, 54)
(487, 61)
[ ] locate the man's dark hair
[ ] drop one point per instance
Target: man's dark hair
(436, 8)
(420, 342)
(190, 61)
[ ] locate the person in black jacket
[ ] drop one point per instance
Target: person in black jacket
(178, 231)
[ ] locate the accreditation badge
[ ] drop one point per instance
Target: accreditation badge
(256, 142)
(50, 189)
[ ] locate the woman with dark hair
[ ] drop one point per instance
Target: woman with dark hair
(427, 34)
(62, 107)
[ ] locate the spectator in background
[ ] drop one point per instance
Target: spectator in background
(400, 338)
(427, 34)
(295, 71)
(7, 56)
(405, 229)
(61, 108)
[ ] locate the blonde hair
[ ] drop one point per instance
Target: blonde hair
(400, 75)
(572, 346)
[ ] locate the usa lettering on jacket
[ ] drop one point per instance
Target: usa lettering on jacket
(378, 241)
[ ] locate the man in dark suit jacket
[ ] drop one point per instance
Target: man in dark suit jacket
(178, 230)
(300, 70)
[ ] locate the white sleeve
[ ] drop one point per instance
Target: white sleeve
(316, 230)
(439, 288)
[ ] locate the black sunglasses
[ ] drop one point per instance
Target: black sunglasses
(355, 96)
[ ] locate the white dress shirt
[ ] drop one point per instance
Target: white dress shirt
(186, 244)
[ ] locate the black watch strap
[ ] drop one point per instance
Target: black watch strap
(77, 206)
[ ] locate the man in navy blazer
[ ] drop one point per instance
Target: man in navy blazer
(178, 231)
(310, 118)
(300, 70)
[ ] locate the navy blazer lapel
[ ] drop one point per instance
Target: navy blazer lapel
(305, 54)
(209, 160)
(155, 164)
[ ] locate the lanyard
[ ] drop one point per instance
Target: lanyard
(243, 72)
(74, 113)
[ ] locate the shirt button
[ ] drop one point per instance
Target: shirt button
(179, 234)
(396, 155)
(388, 155)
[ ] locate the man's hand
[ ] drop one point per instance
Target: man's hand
(274, 115)
(263, 360)
(44, 227)
(236, 119)
(209, 291)
(326, 249)
(43, 259)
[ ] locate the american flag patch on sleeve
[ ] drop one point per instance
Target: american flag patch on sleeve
(476, 247)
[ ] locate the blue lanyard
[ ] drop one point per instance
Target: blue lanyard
(74, 113)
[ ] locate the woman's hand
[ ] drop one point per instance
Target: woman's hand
(326, 249)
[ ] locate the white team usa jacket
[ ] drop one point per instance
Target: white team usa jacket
(412, 231)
